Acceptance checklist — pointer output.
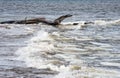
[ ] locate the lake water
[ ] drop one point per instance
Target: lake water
(70, 51)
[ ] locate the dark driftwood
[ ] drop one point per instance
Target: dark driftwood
(38, 20)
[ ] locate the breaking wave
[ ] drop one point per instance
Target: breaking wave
(80, 24)
(53, 50)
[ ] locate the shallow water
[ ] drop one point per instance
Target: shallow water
(70, 51)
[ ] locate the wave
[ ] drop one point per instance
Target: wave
(102, 22)
(88, 73)
(81, 24)
(51, 51)
(33, 54)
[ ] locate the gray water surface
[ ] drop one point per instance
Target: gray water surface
(42, 51)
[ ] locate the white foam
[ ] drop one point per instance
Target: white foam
(110, 64)
(41, 53)
(69, 25)
(35, 48)
(102, 22)
(101, 44)
(88, 73)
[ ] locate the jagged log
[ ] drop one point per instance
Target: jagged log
(37, 20)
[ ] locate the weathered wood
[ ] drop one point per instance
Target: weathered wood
(37, 20)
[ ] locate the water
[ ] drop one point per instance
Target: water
(69, 51)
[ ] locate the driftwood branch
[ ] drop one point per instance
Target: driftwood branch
(37, 20)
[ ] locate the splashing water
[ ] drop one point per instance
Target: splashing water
(71, 52)
(88, 49)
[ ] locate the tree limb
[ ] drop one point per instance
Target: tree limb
(38, 20)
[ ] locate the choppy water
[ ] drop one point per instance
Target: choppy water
(70, 51)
